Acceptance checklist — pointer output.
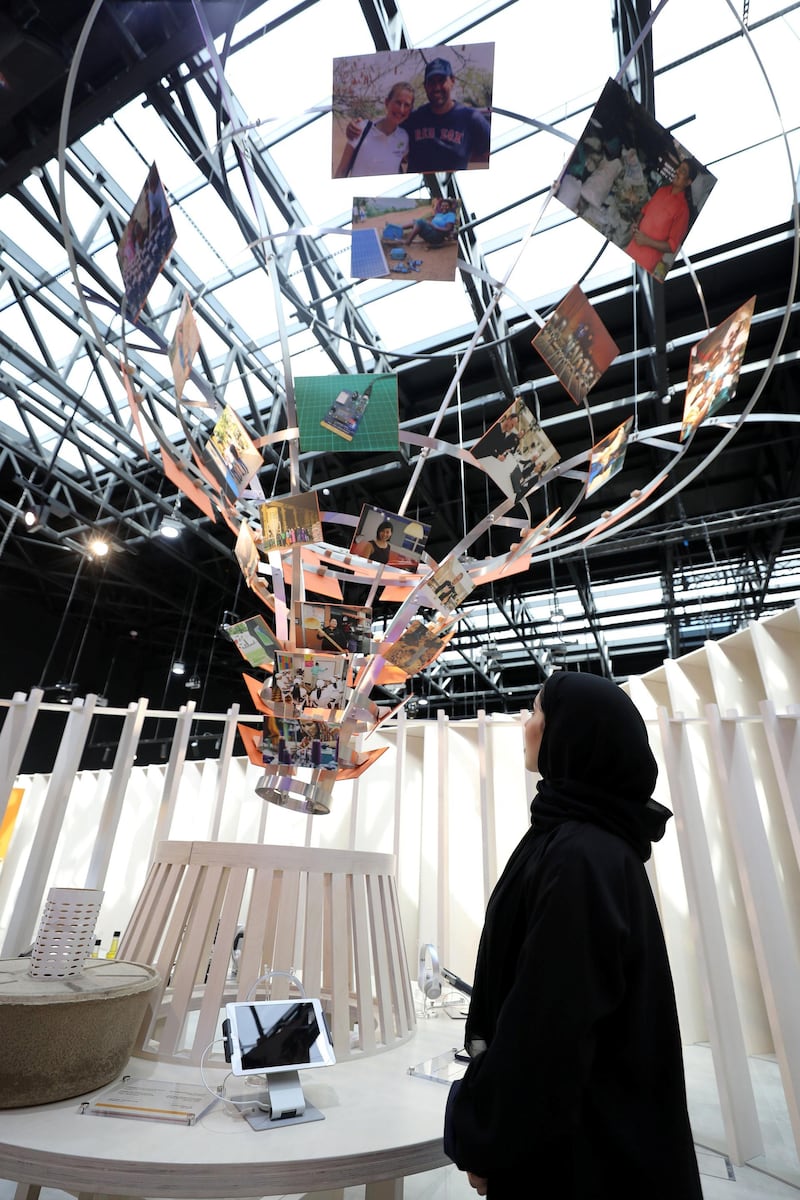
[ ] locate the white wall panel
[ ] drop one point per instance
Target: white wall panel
(691, 691)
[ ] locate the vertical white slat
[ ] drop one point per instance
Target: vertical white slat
(362, 964)
(261, 836)
(443, 905)
(251, 959)
(194, 949)
(399, 780)
(338, 938)
(140, 941)
(286, 933)
(169, 948)
(428, 850)
(172, 777)
(407, 1009)
(112, 807)
(312, 941)
(486, 801)
(404, 1005)
(20, 719)
(783, 739)
(380, 958)
(352, 836)
(207, 1028)
(223, 770)
(766, 912)
(23, 922)
(734, 1084)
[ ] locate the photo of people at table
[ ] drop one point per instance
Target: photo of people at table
(305, 681)
(294, 521)
(634, 182)
(515, 451)
(576, 345)
(412, 111)
(334, 628)
(608, 455)
(300, 743)
(146, 241)
(714, 364)
(385, 537)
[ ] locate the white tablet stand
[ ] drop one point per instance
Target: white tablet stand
(283, 1103)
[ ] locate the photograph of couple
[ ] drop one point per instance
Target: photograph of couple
(412, 111)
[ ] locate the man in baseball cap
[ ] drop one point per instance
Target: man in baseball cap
(445, 135)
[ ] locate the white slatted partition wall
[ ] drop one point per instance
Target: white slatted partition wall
(725, 1032)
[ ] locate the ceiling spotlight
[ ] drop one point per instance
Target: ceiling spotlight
(178, 667)
(99, 547)
(170, 528)
(193, 683)
(557, 615)
(31, 516)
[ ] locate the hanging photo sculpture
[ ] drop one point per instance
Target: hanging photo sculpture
(413, 111)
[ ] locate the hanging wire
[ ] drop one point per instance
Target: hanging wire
(634, 289)
(462, 464)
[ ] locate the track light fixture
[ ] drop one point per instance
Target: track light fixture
(171, 526)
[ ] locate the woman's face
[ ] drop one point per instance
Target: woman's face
(399, 105)
(383, 536)
(534, 730)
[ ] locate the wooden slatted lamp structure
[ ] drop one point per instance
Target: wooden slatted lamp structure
(329, 916)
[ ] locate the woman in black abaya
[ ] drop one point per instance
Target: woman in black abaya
(575, 1090)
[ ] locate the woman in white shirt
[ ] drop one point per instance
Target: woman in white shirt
(381, 147)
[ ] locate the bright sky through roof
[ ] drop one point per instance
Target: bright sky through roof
(721, 103)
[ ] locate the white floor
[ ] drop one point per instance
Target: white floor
(773, 1176)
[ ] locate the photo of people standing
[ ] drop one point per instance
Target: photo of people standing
(412, 111)
(576, 345)
(515, 451)
(333, 628)
(635, 183)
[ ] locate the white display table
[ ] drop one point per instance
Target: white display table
(380, 1124)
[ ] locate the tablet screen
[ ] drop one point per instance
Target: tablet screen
(278, 1035)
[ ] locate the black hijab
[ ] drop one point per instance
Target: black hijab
(596, 763)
